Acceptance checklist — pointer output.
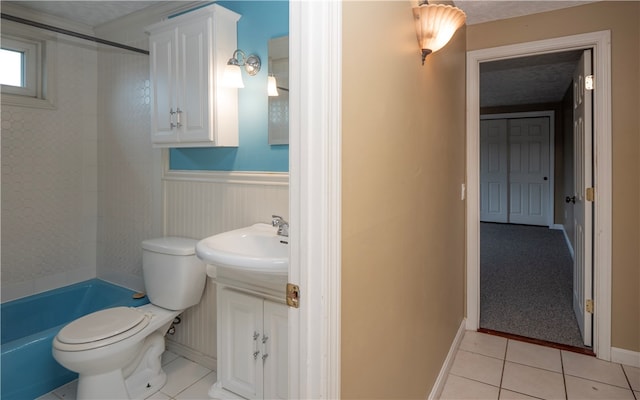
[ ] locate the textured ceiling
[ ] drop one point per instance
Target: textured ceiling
(479, 11)
(528, 80)
(92, 13)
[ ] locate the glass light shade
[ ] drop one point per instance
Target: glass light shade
(232, 76)
(272, 86)
(436, 24)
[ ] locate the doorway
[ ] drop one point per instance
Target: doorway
(599, 41)
(526, 261)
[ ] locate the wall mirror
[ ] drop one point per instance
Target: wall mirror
(279, 105)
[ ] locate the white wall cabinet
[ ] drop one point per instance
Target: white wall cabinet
(188, 53)
(252, 347)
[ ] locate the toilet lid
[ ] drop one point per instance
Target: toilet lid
(104, 324)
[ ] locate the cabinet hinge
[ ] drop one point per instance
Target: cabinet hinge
(589, 306)
(293, 295)
(590, 194)
(589, 82)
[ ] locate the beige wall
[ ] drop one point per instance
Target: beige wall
(623, 19)
(403, 221)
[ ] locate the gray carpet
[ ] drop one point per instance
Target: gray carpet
(526, 283)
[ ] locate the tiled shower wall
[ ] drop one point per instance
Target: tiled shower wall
(49, 181)
(129, 168)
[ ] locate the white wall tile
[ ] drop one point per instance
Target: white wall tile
(45, 179)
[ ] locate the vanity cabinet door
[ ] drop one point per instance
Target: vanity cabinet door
(276, 384)
(241, 350)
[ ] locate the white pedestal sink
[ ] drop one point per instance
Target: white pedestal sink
(250, 267)
(254, 258)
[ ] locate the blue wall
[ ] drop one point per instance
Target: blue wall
(261, 21)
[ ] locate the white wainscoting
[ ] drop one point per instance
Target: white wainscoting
(198, 204)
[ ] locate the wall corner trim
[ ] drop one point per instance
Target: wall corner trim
(438, 386)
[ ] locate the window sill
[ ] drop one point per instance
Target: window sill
(25, 101)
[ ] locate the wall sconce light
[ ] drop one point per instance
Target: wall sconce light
(272, 86)
(233, 75)
(435, 25)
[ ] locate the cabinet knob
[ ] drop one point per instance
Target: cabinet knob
(264, 357)
(256, 335)
(265, 338)
(255, 355)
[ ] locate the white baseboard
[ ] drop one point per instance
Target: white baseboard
(626, 357)
(560, 227)
(438, 386)
(188, 353)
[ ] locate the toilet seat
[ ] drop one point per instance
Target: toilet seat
(101, 328)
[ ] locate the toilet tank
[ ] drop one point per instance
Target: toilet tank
(174, 277)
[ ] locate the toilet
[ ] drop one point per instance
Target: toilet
(117, 351)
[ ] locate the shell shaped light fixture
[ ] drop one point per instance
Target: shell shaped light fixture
(435, 25)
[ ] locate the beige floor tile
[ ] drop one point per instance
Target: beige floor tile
(158, 396)
(591, 368)
(68, 391)
(534, 355)
(583, 389)
(533, 381)
(633, 374)
(477, 367)
(481, 343)
(198, 390)
(182, 373)
(509, 395)
(168, 356)
(457, 388)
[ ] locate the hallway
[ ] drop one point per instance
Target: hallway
(492, 367)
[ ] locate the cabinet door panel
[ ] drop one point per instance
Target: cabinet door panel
(276, 363)
(194, 81)
(241, 347)
(163, 86)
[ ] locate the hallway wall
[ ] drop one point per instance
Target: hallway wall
(403, 220)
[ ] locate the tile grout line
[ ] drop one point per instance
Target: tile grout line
(564, 377)
(624, 371)
(504, 364)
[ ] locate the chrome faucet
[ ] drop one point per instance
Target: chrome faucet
(283, 226)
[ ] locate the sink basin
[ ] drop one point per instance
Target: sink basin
(256, 248)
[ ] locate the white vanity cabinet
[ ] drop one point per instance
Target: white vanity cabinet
(188, 54)
(252, 346)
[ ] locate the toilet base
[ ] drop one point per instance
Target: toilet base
(141, 378)
(148, 376)
(109, 385)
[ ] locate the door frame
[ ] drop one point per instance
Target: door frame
(600, 42)
(552, 145)
(315, 199)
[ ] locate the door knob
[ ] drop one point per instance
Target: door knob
(570, 199)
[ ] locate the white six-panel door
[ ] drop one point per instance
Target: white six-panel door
(583, 210)
(529, 171)
(493, 171)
